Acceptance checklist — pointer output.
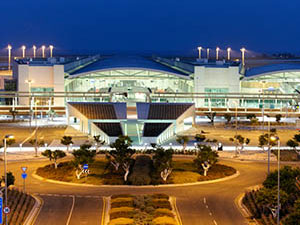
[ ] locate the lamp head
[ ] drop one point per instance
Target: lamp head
(199, 48)
(43, 47)
(228, 49)
(243, 49)
(9, 136)
(34, 47)
(218, 49)
(51, 47)
(23, 47)
(9, 47)
(274, 138)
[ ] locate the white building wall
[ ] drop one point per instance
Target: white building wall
(41, 77)
(217, 78)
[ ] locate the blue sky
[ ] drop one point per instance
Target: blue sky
(152, 26)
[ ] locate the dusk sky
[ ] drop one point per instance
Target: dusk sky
(152, 26)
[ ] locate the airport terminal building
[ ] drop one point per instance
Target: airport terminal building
(105, 94)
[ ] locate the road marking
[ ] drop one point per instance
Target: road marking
(71, 211)
(206, 206)
(210, 213)
(215, 222)
(103, 211)
(204, 200)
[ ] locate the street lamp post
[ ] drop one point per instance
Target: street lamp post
(43, 51)
(263, 105)
(29, 82)
(34, 51)
(7, 137)
(243, 56)
(9, 56)
(207, 53)
(275, 138)
(228, 53)
(199, 52)
(23, 51)
(51, 51)
(217, 53)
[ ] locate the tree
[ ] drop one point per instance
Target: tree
(121, 155)
(66, 140)
(98, 142)
(213, 142)
(183, 140)
(200, 137)
(14, 113)
(36, 143)
(162, 162)
(294, 217)
(211, 116)
(206, 158)
(264, 140)
(268, 197)
(54, 155)
(252, 118)
(287, 179)
(228, 117)
(82, 156)
(51, 113)
(240, 141)
(10, 179)
(278, 118)
(292, 143)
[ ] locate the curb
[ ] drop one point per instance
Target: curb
(175, 210)
(31, 218)
(243, 209)
(105, 211)
(237, 173)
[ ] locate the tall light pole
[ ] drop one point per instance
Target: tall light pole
(51, 51)
(23, 51)
(29, 82)
(228, 53)
(6, 138)
(263, 105)
(207, 53)
(217, 53)
(243, 56)
(9, 56)
(43, 51)
(275, 138)
(199, 52)
(34, 51)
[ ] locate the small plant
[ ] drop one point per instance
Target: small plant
(211, 116)
(240, 142)
(36, 143)
(98, 142)
(228, 117)
(10, 179)
(162, 161)
(206, 158)
(278, 118)
(67, 141)
(200, 137)
(54, 155)
(183, 140)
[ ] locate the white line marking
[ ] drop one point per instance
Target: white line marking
(215, 222)
(206, 206)
(204, 200)
(210, 213)
(71, 211)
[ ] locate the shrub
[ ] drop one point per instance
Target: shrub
(121, 196)
(163, 212)
(160, 196)
(164, 220)
(141, 171)
(161, 203)
(121, 221)
(122, 204)
(125, 212)
(120, 199)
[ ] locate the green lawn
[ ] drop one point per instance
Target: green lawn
(184, 171)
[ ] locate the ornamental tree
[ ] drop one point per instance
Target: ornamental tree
(206, 158)
(183, 140)
(162, 162)
(36, 143)
(54, 155)
(240, 141)
(98, 142)
(121, 155)
(82, 156)
(67, 141)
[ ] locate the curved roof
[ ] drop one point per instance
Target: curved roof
(127, 62)
(271, 69)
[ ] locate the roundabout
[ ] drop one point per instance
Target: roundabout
(208, 203)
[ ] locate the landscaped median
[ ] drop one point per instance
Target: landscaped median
(125, 166)
(156, 209)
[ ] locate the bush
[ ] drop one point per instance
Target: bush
(121, 221)
(124, 212)
(161, 203)
(120, 199)
(141, 171)
(160, 196)
(163, 212)
(121, 196)
(119, 204)
(164, 220)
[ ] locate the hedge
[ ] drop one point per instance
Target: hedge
(164, 220)
(163, 212)
(121, 221)
(125, 212)
(141, 171)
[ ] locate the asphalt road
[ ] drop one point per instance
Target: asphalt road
(202, 204)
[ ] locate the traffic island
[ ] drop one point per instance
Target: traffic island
(156, 209)
(100, 172)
